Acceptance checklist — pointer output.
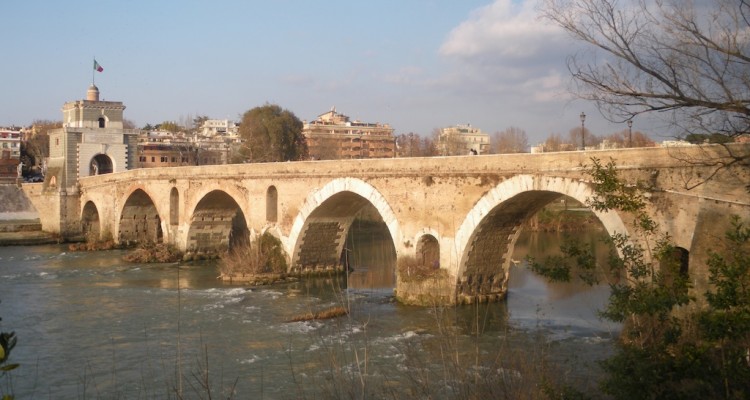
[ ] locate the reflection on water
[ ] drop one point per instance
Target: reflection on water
(371, 256)
(91, 326)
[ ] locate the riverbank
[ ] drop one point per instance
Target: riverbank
(24, 232)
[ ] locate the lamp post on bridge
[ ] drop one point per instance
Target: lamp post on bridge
(630, 132)
(583, 131)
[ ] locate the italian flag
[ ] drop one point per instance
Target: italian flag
(97, 67)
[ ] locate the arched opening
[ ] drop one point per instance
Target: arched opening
(139, 220)
(102, 122)
(174, 207)
(90, 226)
(488, 255)
(673, 265)
(428, 251)
(217, 224)
(347, 232)
(101, 164)
(539, 224)
(272, 201)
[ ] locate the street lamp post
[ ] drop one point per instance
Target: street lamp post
(630, 133)
(583, 131)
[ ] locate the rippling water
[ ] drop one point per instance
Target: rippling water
(90, 325)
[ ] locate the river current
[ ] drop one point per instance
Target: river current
(90, 325)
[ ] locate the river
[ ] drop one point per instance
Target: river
(90, 325)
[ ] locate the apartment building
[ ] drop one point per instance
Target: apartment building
(333, 136)
(10, 155)
(463, 139)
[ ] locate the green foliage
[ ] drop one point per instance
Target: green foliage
(170, 126)
(672, 346)
(7, 343)
(576, 256)
(272, 134)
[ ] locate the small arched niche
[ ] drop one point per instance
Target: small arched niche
(272, 201)
(174, 207)
(428, 251)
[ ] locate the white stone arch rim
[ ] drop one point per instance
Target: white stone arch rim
(336, 186)
(514, 186)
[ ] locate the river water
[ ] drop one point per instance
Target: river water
(90, 325)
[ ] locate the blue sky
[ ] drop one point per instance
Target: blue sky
(417, 64)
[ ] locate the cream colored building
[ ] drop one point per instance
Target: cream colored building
(333, 136)
(462, 139)
(92, 141)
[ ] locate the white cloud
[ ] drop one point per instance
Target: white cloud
(505, 46)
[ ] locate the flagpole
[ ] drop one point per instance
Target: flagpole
(93, 73)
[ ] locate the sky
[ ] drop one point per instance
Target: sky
(416, 65)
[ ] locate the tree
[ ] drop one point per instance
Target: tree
(677, 59)
(272, 134)
(408, 145)
(170, 126)
(511, 140)
(555, 143)
(198, 122)
(449, 144)
(624, 139)
(589, 139)
(36, 146)
(128, 124)
(673, 345)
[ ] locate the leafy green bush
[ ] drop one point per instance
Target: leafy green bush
(673, 345)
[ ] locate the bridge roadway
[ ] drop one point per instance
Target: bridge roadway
(461, 213)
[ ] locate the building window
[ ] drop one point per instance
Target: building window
(163, 158)
(153, 159)
(101, 122)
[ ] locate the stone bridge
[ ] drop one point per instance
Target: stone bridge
(462, 214)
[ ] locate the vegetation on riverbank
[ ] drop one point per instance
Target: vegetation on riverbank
(153, 253)
(328, 313)
(257, 262)
(411, 270)
(675, 344)
(7, 343)
(91, 245)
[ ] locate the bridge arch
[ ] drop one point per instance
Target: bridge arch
(217, 223)
(319, 231)
(140, 221)
(90, 222)
(487, 236)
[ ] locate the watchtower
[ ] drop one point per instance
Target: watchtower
(91, 142)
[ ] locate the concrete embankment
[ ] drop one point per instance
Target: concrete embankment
(19, 221)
